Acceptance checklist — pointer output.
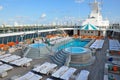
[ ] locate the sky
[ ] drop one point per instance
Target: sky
(49, 11)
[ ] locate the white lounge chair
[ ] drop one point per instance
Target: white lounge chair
(105, 77)
(10, 58)
(68, 74)
(48, 68)
(60, 72)
(21, 61)
(36, 77)
(1, 63)
(5, 55)
(45, 68)
(6, 67)
(3, 73)
(83, 75)
(39, 68)
(3, 69)
(49, 79)
(29, 76)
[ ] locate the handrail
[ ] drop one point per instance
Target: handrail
(68, 59)
(26, 52)
(50, 50)
(61, 30)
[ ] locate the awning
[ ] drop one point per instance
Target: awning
(89, 27)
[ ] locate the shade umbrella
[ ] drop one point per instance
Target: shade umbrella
(49, 36)
(2, 45)
(11, 43)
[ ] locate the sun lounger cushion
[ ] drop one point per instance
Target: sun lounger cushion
(30, 76)
(83, 75)
(6, 67)
(21, 61)
(60, 72)
(68, 74)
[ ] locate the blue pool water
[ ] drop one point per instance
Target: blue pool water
(74, 43)
(75, 50)
(37, 45)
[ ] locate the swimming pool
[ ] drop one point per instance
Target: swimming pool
(37, 45)
(74, 43)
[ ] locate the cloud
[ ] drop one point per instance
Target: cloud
(43, 15)
(1, 7)
(79, 1)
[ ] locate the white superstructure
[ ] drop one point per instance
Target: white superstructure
(95, 16)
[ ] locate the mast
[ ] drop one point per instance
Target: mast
(95, 9)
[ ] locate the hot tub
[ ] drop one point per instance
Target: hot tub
(75, 50)
(79, 55)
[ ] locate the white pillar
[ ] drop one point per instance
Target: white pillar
(104, 33)
(74, 32)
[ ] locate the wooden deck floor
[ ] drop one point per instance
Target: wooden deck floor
(97, 68)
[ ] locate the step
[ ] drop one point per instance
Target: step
(56, 62)
(59, 60)
(60, 57)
